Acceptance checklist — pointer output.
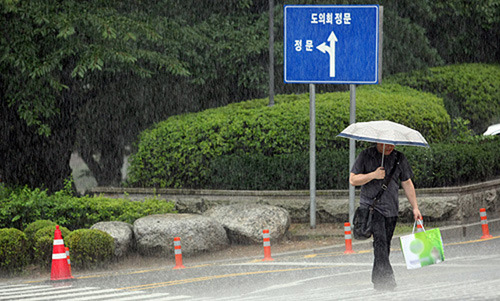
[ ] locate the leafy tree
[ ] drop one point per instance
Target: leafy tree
(464, 31)
(225, 49)
(51, 53)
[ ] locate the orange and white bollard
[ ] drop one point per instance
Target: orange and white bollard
(484, 224)
(60, 269)
(267, 245)
(178, 253)
(420, 226)
(348, 238)
(69, 261)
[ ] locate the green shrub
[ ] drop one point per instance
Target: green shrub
(280, 172)
(13, 250)
(23, 206)
(44, 242)
(470, 91)
(90, 248)
(452, 164)
(443, 164)
(31, 230)
(178, 152)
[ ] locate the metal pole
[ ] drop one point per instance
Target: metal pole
(352, 148)
(271, 53)
(380, 42)
(312, 153)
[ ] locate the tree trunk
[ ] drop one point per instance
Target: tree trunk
(107, 169)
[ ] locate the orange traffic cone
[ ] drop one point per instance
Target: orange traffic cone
(60, 268)
(178, 253)
(484, 224)
(420, 226)
(69, 260)
(348, 238)
(267, 245)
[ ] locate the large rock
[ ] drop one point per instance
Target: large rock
(333, 211)
(297, 209)
(122, 233)
(155, 234)
(244, 223)
(432, 208)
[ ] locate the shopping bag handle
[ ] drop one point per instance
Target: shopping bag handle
(415, 223)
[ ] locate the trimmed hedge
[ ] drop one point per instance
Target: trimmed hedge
(470, 91)
(90, 248)
(179, 151)
(14, 253)
(453, 164)
(280, 172)
(22, 206)
(443, 164)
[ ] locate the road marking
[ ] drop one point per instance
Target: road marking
(213, 277)
(294, 263)
(471, 241)
(302, 281)
(38, 291)
(318, 264)
(28, 292)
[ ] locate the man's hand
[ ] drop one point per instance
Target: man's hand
(416, 214)
(362, 179)
(379, 173)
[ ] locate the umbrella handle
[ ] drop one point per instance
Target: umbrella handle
(383, 155)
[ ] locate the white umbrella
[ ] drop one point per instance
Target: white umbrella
(385, 132)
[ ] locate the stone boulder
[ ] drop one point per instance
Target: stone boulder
(432, 208)
(298, 209)
(244, 223)
(122, 233)
(154, 234)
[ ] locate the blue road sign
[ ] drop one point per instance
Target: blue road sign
(331, 44)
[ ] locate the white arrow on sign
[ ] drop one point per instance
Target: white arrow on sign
(331, 51)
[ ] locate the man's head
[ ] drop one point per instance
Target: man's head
(388, 148)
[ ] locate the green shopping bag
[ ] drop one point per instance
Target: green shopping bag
(423, 248)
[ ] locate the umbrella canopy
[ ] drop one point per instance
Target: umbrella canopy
(384, 131)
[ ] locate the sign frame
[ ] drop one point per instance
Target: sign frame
(366, 70)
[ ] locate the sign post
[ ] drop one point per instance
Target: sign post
(331, 44)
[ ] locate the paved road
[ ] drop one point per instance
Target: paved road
(471, 271)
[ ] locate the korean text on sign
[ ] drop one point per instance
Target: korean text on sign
(328, 18)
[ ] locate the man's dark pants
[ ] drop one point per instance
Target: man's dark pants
(383, 230)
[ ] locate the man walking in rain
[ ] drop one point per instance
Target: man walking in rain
(369, 173)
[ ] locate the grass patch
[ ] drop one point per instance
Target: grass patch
(407, 228)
